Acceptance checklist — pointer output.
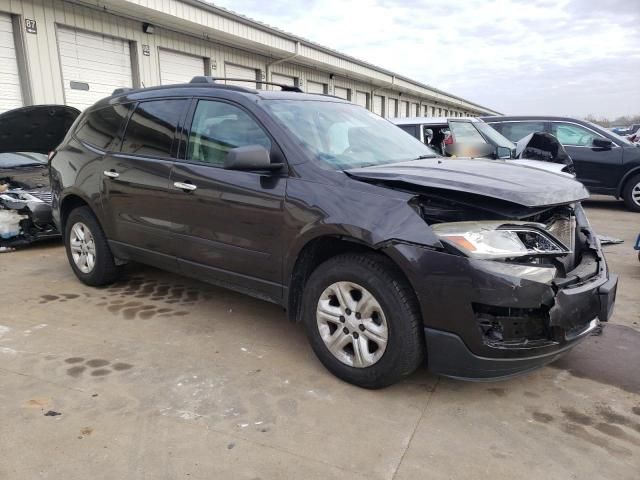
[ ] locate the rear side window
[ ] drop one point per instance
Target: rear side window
(218, 127)
(152, 128)
(465, 132)
(412, 130)
(514, 131)
(101, 127)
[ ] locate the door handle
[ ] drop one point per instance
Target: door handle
(111, 174)
(189, 187)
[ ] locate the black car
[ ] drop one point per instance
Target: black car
(388, 255)
(27, 135)
(605, 163)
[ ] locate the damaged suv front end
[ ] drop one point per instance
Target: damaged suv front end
(518, 276)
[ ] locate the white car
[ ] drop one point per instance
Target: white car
(472, 137)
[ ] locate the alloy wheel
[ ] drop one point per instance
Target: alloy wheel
(635, 194)
(83, 247)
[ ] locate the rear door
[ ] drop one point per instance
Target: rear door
(228, 224)
(135, 191)
(597, 168)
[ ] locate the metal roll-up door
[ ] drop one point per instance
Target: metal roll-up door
(236, 71)
(315, 87)
(404, 109)
(341, 92)
(179, 67)
(378, 102)
(362, 99)
(93, 65)
(392, 111)
(283, 79)
(11, 96)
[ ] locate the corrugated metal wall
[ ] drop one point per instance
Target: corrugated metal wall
(42, 63)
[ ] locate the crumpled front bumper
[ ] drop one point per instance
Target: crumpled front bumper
(460, 302)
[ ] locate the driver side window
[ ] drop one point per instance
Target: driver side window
(574, 135)
(218, 127)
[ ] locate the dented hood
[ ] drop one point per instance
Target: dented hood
(38, 128)
(526, 186)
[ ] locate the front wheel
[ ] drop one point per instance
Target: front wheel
(87, 249)
(362, 320)
(631, 194)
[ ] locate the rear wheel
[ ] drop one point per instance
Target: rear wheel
(87, 249)
(631, 194)
(363, 321)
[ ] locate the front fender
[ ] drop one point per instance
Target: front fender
(358, 211)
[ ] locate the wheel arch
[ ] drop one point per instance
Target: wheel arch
(316, 251)
(69, 203)
(627, 176)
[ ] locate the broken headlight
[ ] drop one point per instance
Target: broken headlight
(499, 240)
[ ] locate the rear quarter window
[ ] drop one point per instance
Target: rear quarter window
(101, 127)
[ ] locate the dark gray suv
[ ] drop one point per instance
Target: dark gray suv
(388, 255)
(606, 163)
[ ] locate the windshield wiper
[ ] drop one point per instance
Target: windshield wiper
(422, 157)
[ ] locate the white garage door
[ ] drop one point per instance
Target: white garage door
(341, 92)
(93, 65)
(362, 99)
(11, 96)
(236, 71)
(315, 87)
(378, 102)
(404, 109)
(392, 111)
(283, 79)
(179, 67)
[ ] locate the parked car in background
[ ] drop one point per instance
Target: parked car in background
(606, 163)
(388, 254)
(620, 130)
(466, 136)
(27, 135)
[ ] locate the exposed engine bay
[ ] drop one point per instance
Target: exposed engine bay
(25, 206)
(27, 136)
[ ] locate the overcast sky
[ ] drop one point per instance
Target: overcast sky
(560, 57)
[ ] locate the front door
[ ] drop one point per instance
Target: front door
(228, 224)
(135, 186)
(597, 168)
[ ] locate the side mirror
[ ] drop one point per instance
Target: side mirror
(503, 152)
(251, 157)
(603, 143)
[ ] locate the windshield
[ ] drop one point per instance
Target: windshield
(21, 159)
(343, 136)
(494, 136)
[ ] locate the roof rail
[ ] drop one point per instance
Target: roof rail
(121, 90)
(214, 80)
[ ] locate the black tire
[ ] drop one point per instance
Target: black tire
(104, 270)
(405, 348)
(627, 193)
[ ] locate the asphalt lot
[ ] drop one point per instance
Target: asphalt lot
(163, 377)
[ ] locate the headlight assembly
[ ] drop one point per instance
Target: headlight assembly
(498, 240)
